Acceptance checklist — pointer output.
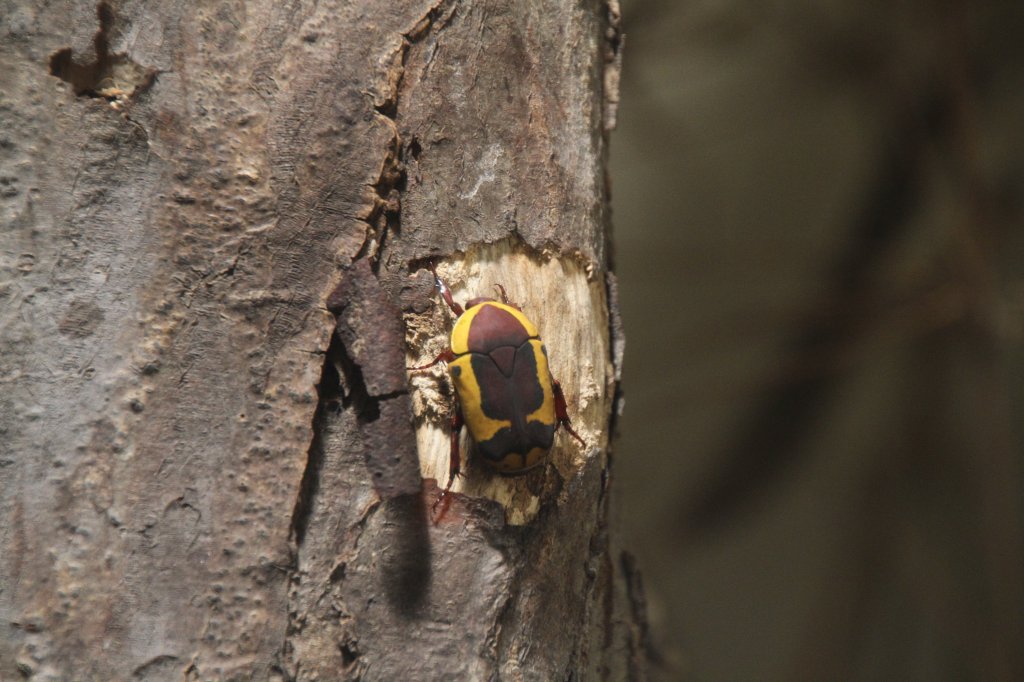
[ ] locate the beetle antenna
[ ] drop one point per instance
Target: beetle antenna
(501, 291)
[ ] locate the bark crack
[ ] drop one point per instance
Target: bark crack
(384, 215)
(327, 392)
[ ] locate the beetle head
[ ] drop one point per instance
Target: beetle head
(477, 301)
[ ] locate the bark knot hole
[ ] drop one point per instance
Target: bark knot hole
(111, 76)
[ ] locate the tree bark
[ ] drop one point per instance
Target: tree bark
(216, 220)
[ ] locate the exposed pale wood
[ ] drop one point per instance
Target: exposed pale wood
(570, 311)
(185, 187)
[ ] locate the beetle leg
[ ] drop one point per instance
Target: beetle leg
(454, 461)
(562, 412)
(443, 356)
(446, 293)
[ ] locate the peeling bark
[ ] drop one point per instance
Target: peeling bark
(215, 223)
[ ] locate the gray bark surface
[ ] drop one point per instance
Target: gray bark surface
(198, 477)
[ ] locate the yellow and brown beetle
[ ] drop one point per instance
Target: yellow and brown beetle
(504, 391)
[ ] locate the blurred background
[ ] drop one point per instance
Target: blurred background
(818, 212)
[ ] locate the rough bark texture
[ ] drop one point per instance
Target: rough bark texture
(198, 477)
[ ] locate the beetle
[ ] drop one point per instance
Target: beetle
(504, 392)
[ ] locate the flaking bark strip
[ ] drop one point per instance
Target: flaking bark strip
(374, 376)
(371, 332)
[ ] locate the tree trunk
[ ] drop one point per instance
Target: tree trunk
(198, 476)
